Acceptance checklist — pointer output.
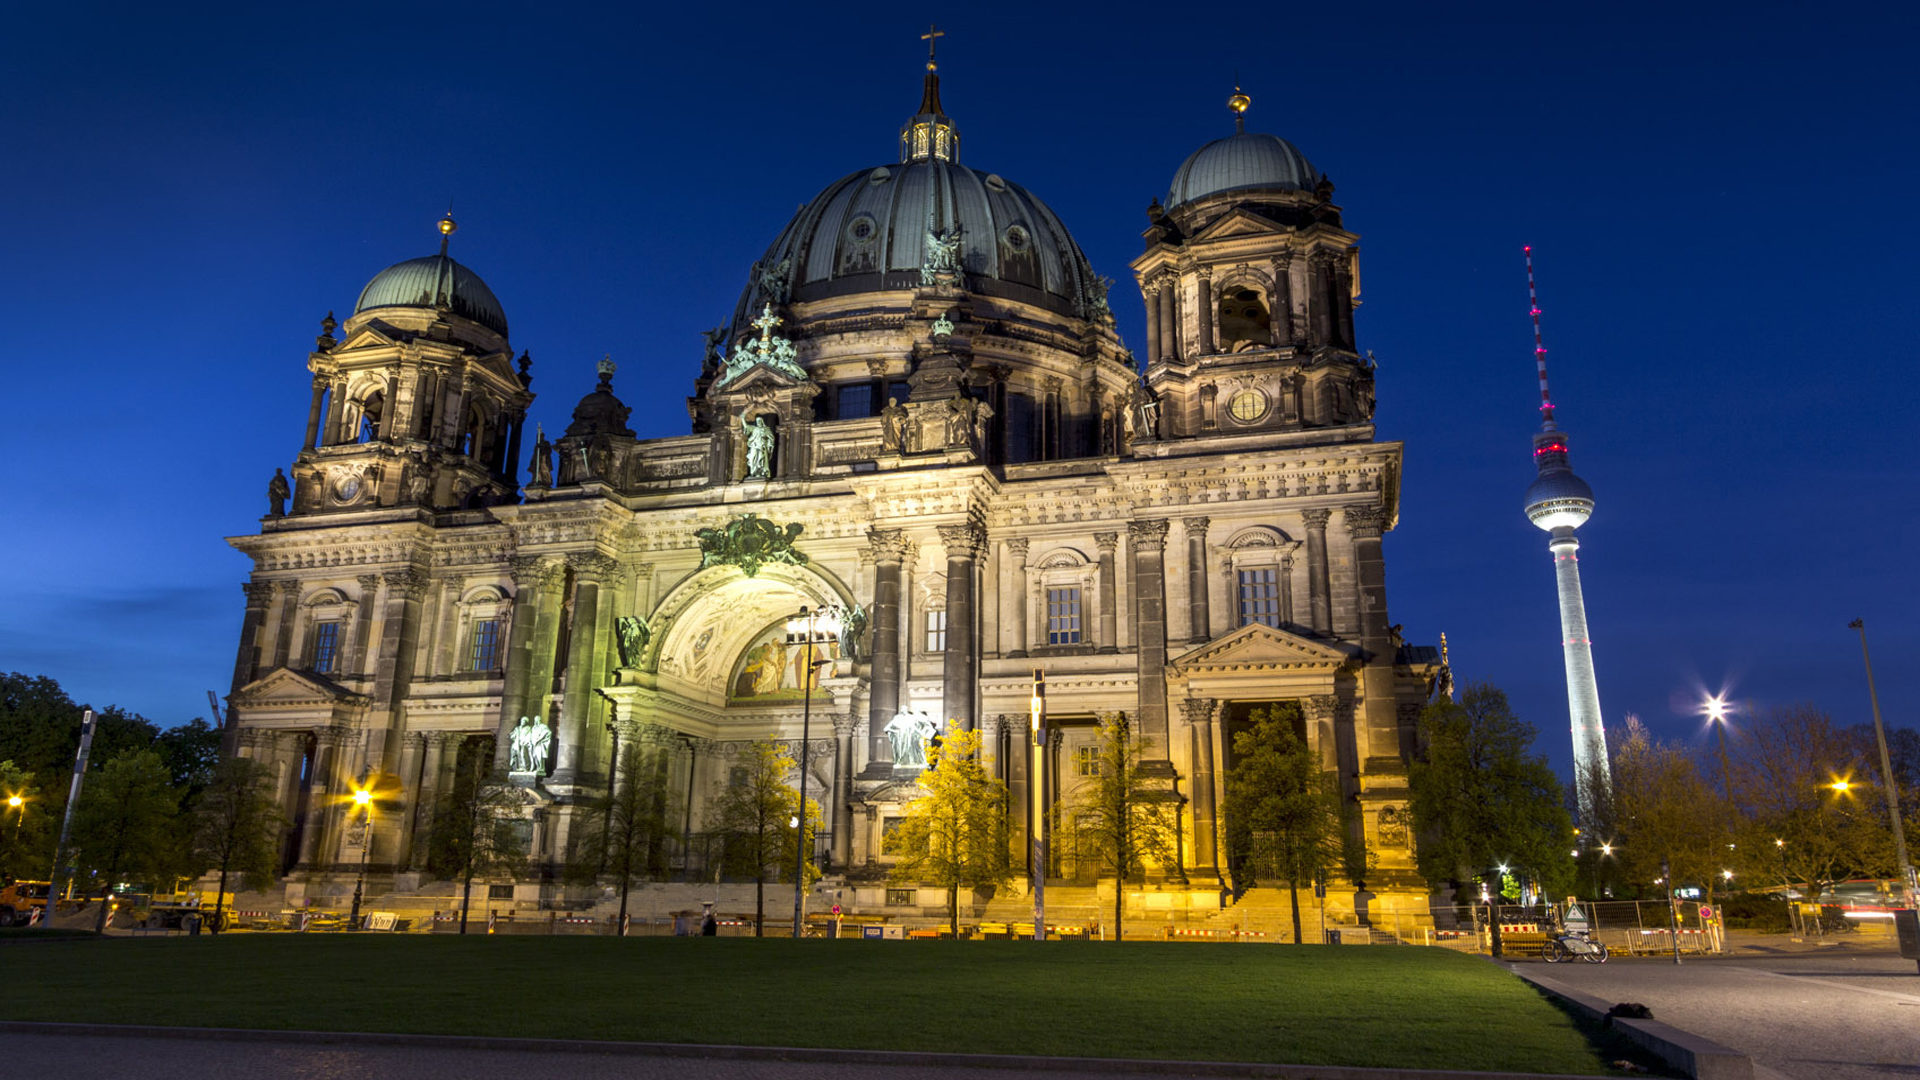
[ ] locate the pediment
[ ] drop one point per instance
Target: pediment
(285, 688)
(366, 337)
(756, 377)
(1256, 647)
(1239, 222)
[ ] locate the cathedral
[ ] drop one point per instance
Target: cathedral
(921, 427)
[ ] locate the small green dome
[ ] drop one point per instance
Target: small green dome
(434, 281)
(1248, 161)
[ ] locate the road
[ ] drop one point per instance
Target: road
(1824, 1015)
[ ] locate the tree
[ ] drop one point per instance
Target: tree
(1282, 808)
(756, 813)
(191, 753)
(954, 835)
(1481, 800)
(1664, 810)
(476, 829)
(25, 833)
(1799, 829)
(40, 727)
(237, 826)
(127, 823)
(1127, 820)
(622, 832)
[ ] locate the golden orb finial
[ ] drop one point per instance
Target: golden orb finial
(448, 225)
(1238, 105)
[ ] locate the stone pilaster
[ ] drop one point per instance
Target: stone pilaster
(1365, 524)
(1014, 597)
(1319, 601)
(590, 571)
(1199, 610)
(433, 763)
(393, 666)
(1169, 321)
(535, 581)
(1109, 639)
(246, 662)
(889, 551)
(313, 411)
(354, 659)
(1148, 539)
(1206, 812)
(286, 600)
(959, 674)
(841, 810)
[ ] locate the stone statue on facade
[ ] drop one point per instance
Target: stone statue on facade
(633, 633)
(759, 448)
(893, 426)
(528, 745)
(853, 629)
(710, 360)
(942, 261)
(1143, 414)
(278, 492)
(959, 420)
(908, 733)
(542, 468)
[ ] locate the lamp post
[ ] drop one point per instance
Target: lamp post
(808, 622)
(363, 798)
(1037, 840)
(1907, 881)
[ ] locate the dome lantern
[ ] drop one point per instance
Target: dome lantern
(930, 135)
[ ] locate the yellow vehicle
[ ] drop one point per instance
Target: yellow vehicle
(20, 899)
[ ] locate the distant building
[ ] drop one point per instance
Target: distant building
(919, 414)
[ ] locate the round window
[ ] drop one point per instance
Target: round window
(861, 229)
(1247, 405)
(1017, 239)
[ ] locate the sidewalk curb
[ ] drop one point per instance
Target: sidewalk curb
(896, 1058)
(1693, 1055)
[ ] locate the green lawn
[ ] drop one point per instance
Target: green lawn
(1424, 1008)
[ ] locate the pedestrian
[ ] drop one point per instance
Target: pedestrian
(709, 926)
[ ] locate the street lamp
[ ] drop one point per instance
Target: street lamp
(813, 625)
(363, 798)
(1716, 708)
(1907, 879)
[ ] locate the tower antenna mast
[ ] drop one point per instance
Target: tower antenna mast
(1539, 345)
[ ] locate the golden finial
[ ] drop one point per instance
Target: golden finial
(1238, 103)
(447, 229)
(931, 38)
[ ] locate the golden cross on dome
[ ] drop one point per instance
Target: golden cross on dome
(930, 37)
(766, 322)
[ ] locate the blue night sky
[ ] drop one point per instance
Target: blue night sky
(1721, 205)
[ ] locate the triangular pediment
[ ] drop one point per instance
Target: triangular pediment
(757, 376)
(367, 337)
(1239, 222)
(285, 688)
(1258, 647)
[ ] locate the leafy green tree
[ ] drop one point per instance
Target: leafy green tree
(623, 832)
(191, 753)
(26, 836)
(755, 814)
(1282, 808)
(1810, 813)
(1124, 819)
(237, 826)
(476, 829)
(127, 823)
(40, 728)
(955, 835)
(1481, 799)
(1665, 812)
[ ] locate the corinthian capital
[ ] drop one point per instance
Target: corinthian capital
(1196, 526)
(534, 570)
(1198, 710)
(409, 583)
(963, 541)
(1148, 535)
(1316, 519)
(1106, 542)
(592, 564)
(1017, 550)
(1365, 521)
(889, 545)
(259, 593)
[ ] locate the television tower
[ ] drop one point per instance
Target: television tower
(1559, 503)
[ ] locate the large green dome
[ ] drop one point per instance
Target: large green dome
(434, 281)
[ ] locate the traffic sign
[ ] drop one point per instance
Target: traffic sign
(1706, 912)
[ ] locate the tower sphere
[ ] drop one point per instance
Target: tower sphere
(1559, 500)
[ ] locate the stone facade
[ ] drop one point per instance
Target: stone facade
(963, 453)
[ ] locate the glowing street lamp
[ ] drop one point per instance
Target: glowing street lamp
(814, 625)
(363, 798)
(1716, 710)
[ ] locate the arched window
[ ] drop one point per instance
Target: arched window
(372, 407)
(1245, 319)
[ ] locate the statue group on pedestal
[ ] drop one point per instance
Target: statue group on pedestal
(908, 733)
(528, 745)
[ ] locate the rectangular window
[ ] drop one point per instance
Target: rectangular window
(853, 401)
(936, 631)
(1086, 761)
(1260, 597)
(323, 653)
(1063, 616)
(484, 654)
(899, 897)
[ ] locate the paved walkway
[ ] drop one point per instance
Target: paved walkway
(1833, 1013)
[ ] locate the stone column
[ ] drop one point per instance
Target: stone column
(287, 599)
(247, 661)
(435, 745)
(1319, 603)
(534, 578)
(1199, 611)
(1014, 598)
(1287, 614)
(1151, 293)
(1050, 801)
(1365, 524)
(1319, 292)
(336, 412)
(842, 808)
(353, 660)
(443, 653)
(889, 550)
(1109, 593)
(1281, 302)
(459, 424)
(327, 783)
(510, 467)
(393, 667)
(1205, 282)
(313, 410)
(1169, 322)
(1020, 806)
(413, 745)
(389, 405)
(959, 662)
(437, 410)
(1342, 300)
(583, 666)
(1149, 541)
(1206, 813)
